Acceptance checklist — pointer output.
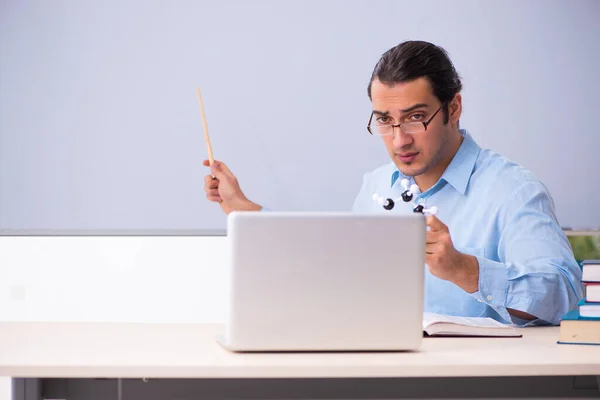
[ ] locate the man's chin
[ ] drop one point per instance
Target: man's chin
(412, 169)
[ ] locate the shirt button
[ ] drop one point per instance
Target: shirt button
(489, 297)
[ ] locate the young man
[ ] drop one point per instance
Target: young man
(495, 247)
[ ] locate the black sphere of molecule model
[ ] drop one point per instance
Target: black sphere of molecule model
(407, 196)
(389, 204)
(409, 193)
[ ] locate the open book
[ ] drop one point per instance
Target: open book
(446, 325)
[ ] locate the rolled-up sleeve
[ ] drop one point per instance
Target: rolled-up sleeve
(535, 271)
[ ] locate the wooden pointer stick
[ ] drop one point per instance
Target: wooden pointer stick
(211, 159)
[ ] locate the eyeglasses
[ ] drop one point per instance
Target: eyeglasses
(387, 129)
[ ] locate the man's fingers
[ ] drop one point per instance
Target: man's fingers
(210, 182)
(223, 167)
(218, 168)
(435, 224)
(213, 195)
(433, 236)
(221, 170)
(433, 248)
(429, 249)
(217, 172)
(206, 163)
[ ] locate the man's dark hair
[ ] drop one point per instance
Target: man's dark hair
(415, 59)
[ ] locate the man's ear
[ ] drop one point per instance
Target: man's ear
(455, 109)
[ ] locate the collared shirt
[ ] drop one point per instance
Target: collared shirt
(500, 213)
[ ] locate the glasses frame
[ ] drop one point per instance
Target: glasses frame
(424, 123)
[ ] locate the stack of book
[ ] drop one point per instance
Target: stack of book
(582, 325)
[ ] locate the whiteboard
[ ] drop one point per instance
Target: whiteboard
(100, 126)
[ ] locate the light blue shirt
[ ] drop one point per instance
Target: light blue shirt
(500, 213)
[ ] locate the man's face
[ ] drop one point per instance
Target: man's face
(414, 154)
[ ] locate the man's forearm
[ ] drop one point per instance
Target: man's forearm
(467, 274)
(521, 314)
(468, 280)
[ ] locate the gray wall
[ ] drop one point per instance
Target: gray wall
(100, 126)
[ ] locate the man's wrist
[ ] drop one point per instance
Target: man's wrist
(247, 205)
(467, 276)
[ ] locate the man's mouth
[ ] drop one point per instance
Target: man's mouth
(407, 157)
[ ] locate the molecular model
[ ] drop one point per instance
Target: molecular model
(407, 196)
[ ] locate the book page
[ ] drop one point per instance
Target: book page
(432, 318)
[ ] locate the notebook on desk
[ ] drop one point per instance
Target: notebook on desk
(445, 325)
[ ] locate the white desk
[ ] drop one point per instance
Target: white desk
(169, 351)
(190, 351)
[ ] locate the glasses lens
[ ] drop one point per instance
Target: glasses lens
(387, 129)
(381, 129)
(413, 127)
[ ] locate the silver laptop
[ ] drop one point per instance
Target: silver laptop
(325, 281)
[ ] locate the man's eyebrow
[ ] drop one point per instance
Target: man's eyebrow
(406, 110)
(381, 112)
(412, 108)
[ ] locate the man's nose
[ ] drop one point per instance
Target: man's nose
(401, 138)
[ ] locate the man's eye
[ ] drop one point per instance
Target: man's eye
(383, 120)
(417, 117)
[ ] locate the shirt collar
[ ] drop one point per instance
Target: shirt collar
(458, 173)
